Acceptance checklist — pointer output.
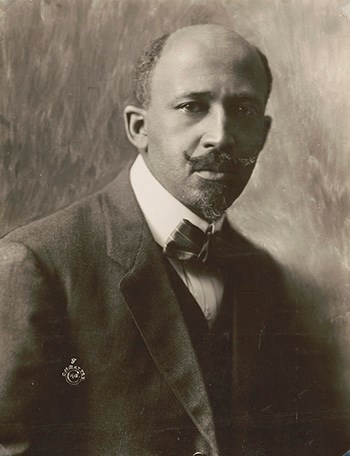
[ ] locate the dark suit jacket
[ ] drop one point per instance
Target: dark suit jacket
(89, 282)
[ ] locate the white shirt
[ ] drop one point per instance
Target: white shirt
(163, 212)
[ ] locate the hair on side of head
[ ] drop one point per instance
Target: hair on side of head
(268, 72)
(144, 70)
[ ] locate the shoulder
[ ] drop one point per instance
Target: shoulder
(70, 232)
(68, 223)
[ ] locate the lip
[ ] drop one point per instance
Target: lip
(215, 175)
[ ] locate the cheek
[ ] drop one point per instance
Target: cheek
(251, 140)
(170, 146)
(165, 157)
(170, 131)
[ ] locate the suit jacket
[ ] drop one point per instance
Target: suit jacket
(90, 283)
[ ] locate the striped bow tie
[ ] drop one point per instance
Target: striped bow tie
(188, 241)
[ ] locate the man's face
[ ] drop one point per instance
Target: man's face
(205, 124)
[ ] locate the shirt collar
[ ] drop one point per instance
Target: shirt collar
(162, 211)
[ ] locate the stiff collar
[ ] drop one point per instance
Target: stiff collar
(162, 211)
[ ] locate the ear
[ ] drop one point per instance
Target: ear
(135, 126)
(266, 129)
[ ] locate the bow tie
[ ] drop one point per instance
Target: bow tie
(188, 241)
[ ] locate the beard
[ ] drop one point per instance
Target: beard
(214, 198)
(212, 201)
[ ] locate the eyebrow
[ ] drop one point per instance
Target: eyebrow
(203, 94)
(244, 96)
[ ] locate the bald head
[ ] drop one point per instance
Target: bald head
(206, 37)
(203, 40)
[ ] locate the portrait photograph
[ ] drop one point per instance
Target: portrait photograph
(174, 228)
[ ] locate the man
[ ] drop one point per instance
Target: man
(184, 336)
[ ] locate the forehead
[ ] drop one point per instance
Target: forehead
(222, 68)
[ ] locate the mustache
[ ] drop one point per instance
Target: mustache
(219, 161)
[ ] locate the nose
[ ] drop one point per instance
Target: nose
(219, 130)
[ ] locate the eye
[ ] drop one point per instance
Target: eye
(193, 107)
(247, 111)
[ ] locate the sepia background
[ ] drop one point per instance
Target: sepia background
(66, 73)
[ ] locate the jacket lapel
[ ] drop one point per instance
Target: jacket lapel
(153, 303)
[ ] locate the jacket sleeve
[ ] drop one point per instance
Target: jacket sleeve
(28, 325)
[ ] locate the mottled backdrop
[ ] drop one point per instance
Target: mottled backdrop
(66, 73)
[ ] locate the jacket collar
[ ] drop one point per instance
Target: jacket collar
(123, 220)
(153, 303)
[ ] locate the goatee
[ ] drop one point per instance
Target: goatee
(212, 202)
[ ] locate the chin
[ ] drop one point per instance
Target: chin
(213, 201)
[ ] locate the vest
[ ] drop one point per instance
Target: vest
(213, 350)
